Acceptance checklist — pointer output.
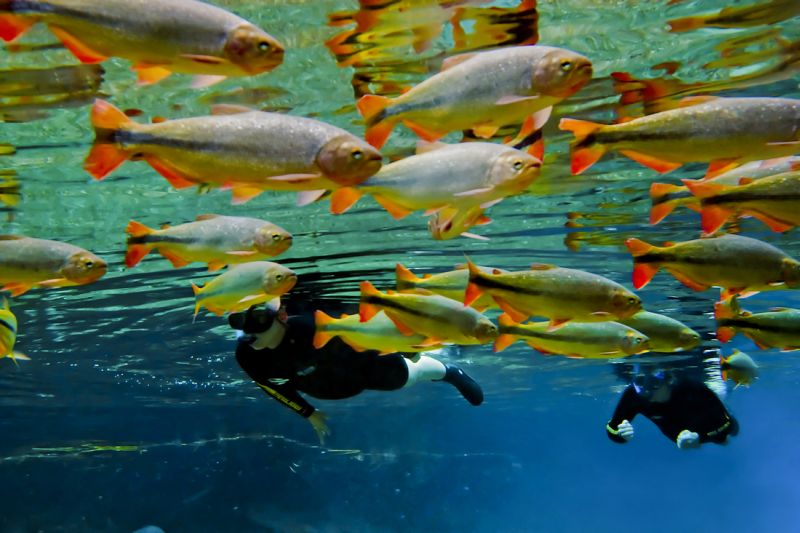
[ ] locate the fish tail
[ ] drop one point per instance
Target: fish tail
(405, 278)
(321, 319)
(713, 216)
(503, 341)
(15, 356)
(105, 156)
(12, 26)
(373, 108)
(197, 290)
(661, 208)
(686, 24)
(585, 151)
(137, 248)
(642, 272)
(473, 291)
(723, 311)
(367, 310)
(343, 199)
(723, 366)
(704, 189)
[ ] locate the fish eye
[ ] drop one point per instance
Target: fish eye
(566, 65)
(279, 277)
(89, 263)
(276, 237)
(632, 301)
(264, 46)
(518, 165)
(357, 154)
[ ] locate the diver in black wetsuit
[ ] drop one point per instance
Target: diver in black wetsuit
(277, 352)
(687, 412)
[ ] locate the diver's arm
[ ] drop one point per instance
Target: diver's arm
(627, 409)
(289, 397)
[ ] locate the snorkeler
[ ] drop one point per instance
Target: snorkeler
(686, 411)
(276, 351)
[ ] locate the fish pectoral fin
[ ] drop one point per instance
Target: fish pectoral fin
(473, 192)
(601, 314)
(294, 178)
(175, 177)
(470, 235)
(542, 266)
(205, 60)
(55, 282)
(427, 343)
(149, 74)
(241, 194)
(230, 109)
(202, 81)
(397, 211)
(17, 288)
(661, 166)
(516, 315)
(309, 197)
(515, 99)
(249, 298)
(485, 131)
(213, 266)
(689, 282)
(452, 61)
(241, 253)
(424, 132)
(77, 47)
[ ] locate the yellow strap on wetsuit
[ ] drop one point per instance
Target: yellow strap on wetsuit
(281, 398)
(611, 430)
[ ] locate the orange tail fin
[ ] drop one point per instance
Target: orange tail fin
(321, 338)
(405, 278)
(137, 249)
(642, 272)
(662, 206)
(105, 156)
(582, 156)
(504, 340)
(724, 310)
(367, 310)
(12, 26)
(638, 247)
(703, 189)
(137, 229)
(135, 253)
(372, 108)
(473, 291)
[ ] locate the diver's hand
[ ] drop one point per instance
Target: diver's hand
(318, 422)
(688, 439)
(625, 430)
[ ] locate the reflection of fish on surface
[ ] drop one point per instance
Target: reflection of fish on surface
(438, 318)
(9, 188)
(777, 328)
(560, 294)
(738, 367)
(666, 197)
(740, 265)
(495, 26)
(580, 340)
(242, 286)
(159, 36)
(8, 334)
(455, 175)
(723, 131)
(249, 151)
(451, 284)
(378, 333)
(774, 200)
(482, 92)
(214, 239)
(449, 223)
(665, 333)
(769, 12)
(26, 262)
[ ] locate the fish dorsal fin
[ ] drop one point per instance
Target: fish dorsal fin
(452, 61)
(424, 146)
(11, 237)
(695, 100)
(427, 276)
(229, 109)
(207, 216)
(542, 266)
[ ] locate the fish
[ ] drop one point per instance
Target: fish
(242, 286)
(665, 333)
(459, 176)
(738, 367)
(378, 333)
(560, 294)
(777, 328)
(740, 265)
(746, 16)
(725, 132)
(774, 200)
(158, 36)
(665, 197)
(449, 223)
(26, 262)
(214, 239)
(451, 284)
(438, 318)
(248, 151)
(482, 92)
(8, 334)
(582, 340)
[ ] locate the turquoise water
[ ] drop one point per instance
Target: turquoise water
(131, 414)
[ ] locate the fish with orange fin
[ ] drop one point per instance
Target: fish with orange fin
(26, 263)
(482, 92)
(450, 284)
(378, 333)
(560, 294)
(746, 16)
(740, 265)
(579, 340)
(8, 334)
(158, 36)
(460, 176)
(438, 318)
(214, 239)
(774, 200)
(777, 328)
(738, 367)
(449, 223)
(246, 151)
(665, 197)
(725, 132)
(242, 286)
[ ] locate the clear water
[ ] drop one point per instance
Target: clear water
(130, 414)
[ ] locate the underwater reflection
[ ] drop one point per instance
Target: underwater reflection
(9, 190)
(770, 12)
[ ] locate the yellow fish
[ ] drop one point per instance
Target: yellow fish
(481, 91)
(560, 294)
(242, 286)
(438, 318)
(449, 222)
(450, 284)
(723, 131)
(739, 367)
(8, 334)
(214, 239)
(769, 12)
(740, 265)
(777, 328)
(378, 333)
(580, 340)
(250, 152)
(666, 334)
(26, 262)
(158, 36)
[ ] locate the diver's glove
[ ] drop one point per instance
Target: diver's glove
(688, 439)
(252, 321)
(625, 430)
(318, 422)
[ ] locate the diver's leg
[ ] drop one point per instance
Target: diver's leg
(424, 368)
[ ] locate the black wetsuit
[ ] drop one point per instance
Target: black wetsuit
(332, 372)
(691, 406)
